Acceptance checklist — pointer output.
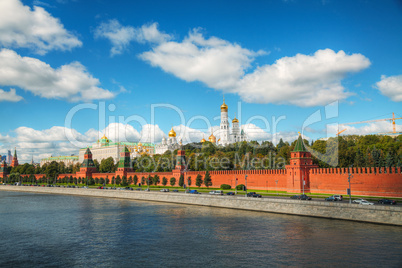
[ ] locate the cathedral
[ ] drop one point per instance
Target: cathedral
(169, 144)
(226, 134)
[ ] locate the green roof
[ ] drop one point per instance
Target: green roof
(299, 147)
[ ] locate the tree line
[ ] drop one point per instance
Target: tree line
(342, 151)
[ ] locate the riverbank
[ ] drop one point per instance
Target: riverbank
(373, 214)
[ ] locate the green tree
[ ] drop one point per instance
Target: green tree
(198, 180)
(107, 165)
(172, 181)
(52, 170)
(207, 179)
(135, 180)
(164, 181)
(124, 181)
(96, 163)
(181, 180)
(118, 180)
(130, 180)
(156, 180)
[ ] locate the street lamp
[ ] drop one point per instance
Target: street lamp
(245, 179)
(349, 190)
(276, 187)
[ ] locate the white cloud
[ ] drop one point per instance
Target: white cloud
(215, 62)
(302, 80)
(391, 87)
(9, 96)
(53, 141)
(366, 129)
(120, 36)
(35, 29)
(71, 81)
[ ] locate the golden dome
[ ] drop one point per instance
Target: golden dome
(104, 137)
(224, 107)
(139, 144)
(235, 120)
(172, 133)
(203, 140)
(212, 138)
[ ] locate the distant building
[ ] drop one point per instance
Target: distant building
(170, 144)
(9, 157)
(105, 148)
(67, 160)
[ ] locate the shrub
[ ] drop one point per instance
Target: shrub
(226, 187)
(240, 187)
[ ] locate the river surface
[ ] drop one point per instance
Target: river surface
(42, 230)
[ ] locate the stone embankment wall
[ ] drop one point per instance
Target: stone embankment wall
(374, 214)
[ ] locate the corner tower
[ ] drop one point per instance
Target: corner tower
(298, 168)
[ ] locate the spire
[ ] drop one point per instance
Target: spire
(224, 107)
(15, 151)
(299, 146)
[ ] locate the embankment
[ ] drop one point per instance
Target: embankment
(374, 214)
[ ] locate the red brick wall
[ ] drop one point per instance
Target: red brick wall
(365, 181)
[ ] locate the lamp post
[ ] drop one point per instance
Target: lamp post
(276, 187)
(349, 190)
(245, 179)
(235, 184)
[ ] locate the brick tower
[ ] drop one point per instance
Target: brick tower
(298, 169)
(180, 164)
(3, 170)
(87, 166)
(124, 163)
(14, 162)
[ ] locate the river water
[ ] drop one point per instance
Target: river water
(38, 230)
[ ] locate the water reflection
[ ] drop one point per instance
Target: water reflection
(57, 230)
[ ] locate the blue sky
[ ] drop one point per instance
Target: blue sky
(281, 59)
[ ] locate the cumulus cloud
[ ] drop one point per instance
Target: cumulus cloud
(120, 36)
(215, 62)
(9, 96)
(366, 129)
(391, 87)
(35, 29)
(302, 80)
(54, 141)
(70, 82)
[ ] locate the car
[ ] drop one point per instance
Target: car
(301, 197)
(253, 194)
(138, 189)
(358, 201)
(338, 197)
(387, 202)
(193, 192)
(216, 192)
(230, 193)
(164, 190)
(331, 198)
(175, 191)
(364, 202)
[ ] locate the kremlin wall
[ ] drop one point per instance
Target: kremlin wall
(301, 174)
